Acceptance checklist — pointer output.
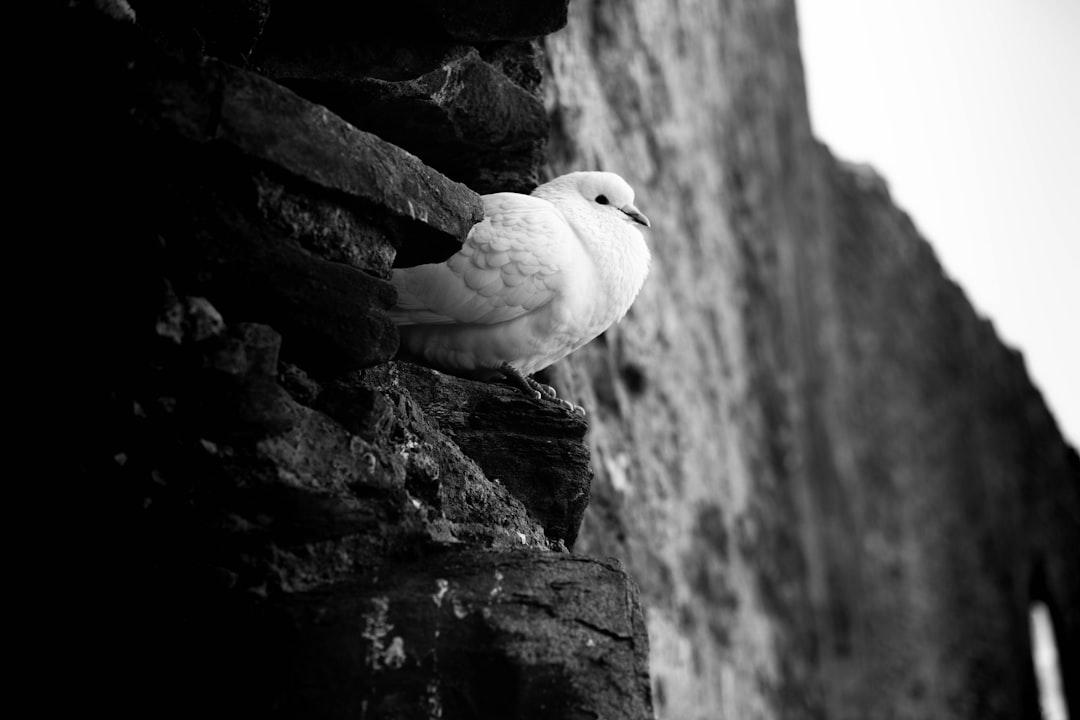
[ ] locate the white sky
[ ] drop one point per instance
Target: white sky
(1047, 664)
(971, 111)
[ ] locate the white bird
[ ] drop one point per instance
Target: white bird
(537, 278)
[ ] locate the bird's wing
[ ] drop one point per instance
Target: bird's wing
(509, 265)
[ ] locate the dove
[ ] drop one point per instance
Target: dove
(539, 277)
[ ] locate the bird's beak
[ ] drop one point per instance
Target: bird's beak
(636, 215)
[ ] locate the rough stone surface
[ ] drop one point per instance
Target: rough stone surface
(490, 20)
(227, 29)
(233, 30)
(522, 62)
(334, 315)
(288, 523)
(247, 497)
(266, 527)
(419, 21)
(838, 491)
(461, 634)
(319, 547)
(534, 448)
(837, 488)
(245, 439)
(270, 199)
(215, 104)
(463, 117)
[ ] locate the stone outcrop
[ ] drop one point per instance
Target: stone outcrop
(497, 634)
(301, 526)
(837, 490)
(459, 112)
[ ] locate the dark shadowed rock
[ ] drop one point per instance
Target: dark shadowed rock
(256, 509)
(251, 511)
(272, 124)
(229, 388)
(283, 495)
(535, 449)
(333, 316)
(236, 156)
(227, 29)
(418, 21)
(522, 62)
(462, 116)
(231, 110)
(457, 635)
(839, 492)
(489, 20)
(459, 497)
(327, 228)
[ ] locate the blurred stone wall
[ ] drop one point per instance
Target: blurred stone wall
(838, 490)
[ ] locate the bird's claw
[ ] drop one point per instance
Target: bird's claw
(537, 390)
(540, 387)
(571, 407)
(546, 389)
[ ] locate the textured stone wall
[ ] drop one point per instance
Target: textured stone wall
(950, 496)
(838, 490)
(286, 522)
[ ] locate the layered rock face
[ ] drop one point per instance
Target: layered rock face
(837, 490)
(287, 522)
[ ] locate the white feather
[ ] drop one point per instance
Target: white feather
(540, 276)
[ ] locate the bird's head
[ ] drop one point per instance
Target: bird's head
(599, 207)
(603, 192)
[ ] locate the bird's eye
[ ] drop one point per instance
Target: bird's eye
(602, 199)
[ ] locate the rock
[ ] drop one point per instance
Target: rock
(360, 410)
(379, 404)
(246, 182)
(418, 21)
(239, 475)
(226, 29)
(254, 259)
(236, 395)
(328, 229)
(333, 316)
(490, 20)
(243, 487)
(536, 449)
(839, 492)
(462, 117)
(221, 379)
(218, 243)
(116, 9)
(522, 62)
(271, 124)
(457, 634)
(217, 107)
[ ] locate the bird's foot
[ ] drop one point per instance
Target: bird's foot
(572, 407)
(536, 390)
(522, 383)
(541, 387)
